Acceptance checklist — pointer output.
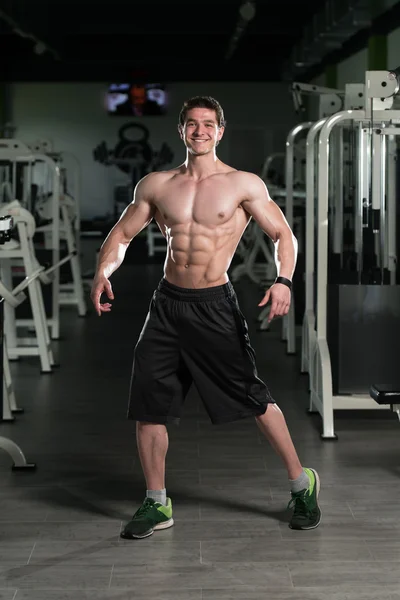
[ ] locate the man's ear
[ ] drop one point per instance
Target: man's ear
(180, 130)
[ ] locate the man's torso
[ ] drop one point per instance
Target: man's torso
(202, 222)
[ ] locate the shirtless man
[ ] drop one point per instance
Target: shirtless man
(195, 331)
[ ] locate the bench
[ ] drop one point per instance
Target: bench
(387, 393)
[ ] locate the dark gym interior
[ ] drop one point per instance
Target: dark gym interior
(90, 95)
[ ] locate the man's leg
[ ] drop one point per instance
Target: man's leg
(304, 482)
(158, 387)
(273, 425)
(152, 443)
(156, 510)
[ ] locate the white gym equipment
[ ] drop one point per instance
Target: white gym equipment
(7, 400)
(329, 102)
(375, 121)
(308, 332)
(14, 298)
(288, 322)
(22, 252)
(70, 218)
(353, 93)
(59, 209)
(16, 153)
(69, 293)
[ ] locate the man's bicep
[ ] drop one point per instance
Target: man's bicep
(135, 218)
(139, 213)
(264, 210)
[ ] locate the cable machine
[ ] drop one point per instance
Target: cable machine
(357, 327)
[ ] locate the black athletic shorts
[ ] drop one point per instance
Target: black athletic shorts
(195, 336)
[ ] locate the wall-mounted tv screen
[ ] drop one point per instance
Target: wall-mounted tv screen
(136, 99)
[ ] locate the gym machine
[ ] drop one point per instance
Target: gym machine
(13, 298)
(17, 251)
(17, 163)
(330, 101)
(354, 94)
(71, 291)
(7, 398)
(17, 156)
(288, 322)
(357, 329)
(386, 394)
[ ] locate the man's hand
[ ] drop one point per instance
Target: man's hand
(280, 296)
(101, 285)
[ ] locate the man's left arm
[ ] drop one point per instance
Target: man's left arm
(271, 220)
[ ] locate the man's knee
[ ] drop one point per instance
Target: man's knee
(271, 407)
(150, 426)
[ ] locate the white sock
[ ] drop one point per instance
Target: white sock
(301, 483)
(158, 495)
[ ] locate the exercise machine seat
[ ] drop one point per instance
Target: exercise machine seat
(385, 393)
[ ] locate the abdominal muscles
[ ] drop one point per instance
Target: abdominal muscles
(202, 254)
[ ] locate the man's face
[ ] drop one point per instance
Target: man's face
(138, 95)
(200, 131)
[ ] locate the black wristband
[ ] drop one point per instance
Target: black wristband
(284, 281)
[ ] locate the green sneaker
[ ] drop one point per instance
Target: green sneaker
(150, 516)
(307, 513)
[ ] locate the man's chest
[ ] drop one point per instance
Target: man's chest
(207, 204)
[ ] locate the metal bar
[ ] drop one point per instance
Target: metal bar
(323, 203)
(390, 131)
(289, 168)
(363, 204)
(391, 209)
(376, 188)
(288, 322)
(310, 211)
(336, 189)
(383, 238)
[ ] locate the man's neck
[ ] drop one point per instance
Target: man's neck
(200, 167)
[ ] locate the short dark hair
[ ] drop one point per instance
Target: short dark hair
(202, 102)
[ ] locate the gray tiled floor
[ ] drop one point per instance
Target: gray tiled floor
(59, 526)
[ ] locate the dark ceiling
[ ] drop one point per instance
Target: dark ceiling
(95, 40)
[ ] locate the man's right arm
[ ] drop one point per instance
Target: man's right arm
(134, 218)
(112, 253)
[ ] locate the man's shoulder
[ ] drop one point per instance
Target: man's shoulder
(245, 177)
(158, 177)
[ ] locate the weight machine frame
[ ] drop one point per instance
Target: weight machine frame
(13, 298)
(10, 447)
(39, 321)
(330, 101)
(308, 328)
(378, 102)
(73, 238)
(17, 152)
(288, 321)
